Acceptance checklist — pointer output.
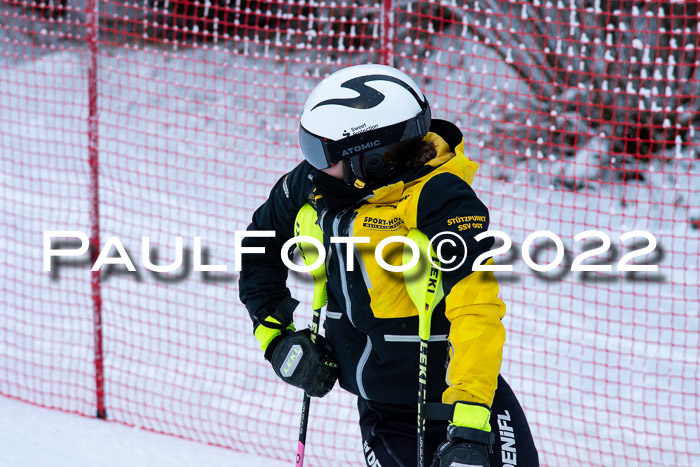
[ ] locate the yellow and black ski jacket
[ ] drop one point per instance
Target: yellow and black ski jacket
(371, 322)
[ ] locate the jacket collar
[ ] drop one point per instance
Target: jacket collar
(450, 158)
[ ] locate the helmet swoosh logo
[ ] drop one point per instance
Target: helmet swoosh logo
(368, 97)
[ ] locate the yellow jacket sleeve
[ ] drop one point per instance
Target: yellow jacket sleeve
(476, 338)
(447, 204)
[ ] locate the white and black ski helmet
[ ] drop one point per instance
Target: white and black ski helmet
(367, 115)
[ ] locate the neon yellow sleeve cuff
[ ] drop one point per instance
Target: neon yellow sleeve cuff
(265, 335)
(472, 416)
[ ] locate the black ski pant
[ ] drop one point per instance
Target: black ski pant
(389, 433)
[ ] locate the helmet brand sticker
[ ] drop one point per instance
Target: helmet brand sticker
(361, 147)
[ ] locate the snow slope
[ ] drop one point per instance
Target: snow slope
(37, 437)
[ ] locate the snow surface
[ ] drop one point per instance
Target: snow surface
(37, 437)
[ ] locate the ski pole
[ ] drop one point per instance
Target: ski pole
(305, 225)
(426, 292)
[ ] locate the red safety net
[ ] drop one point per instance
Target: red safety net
(174, 118)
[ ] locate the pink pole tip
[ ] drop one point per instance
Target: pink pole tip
(300, 455)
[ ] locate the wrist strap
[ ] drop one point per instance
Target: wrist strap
(281, 317)
(439, 411)
(276, 324)
(442, 412)
(470, 434)
(270, 348)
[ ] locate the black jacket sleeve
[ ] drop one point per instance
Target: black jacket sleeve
(262, 284)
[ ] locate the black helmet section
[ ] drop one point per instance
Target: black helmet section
(371, 155)
(379, 163)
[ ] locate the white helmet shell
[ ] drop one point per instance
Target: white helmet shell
(361, 98)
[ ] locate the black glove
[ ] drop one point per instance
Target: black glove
(464, 446)
(301, 363)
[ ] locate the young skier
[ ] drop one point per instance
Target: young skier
(376, 165)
